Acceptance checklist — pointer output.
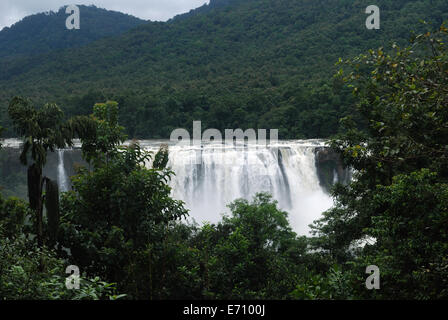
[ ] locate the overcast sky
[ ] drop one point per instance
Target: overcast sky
(12, 11)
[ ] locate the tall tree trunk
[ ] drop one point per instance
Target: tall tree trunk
(35, 198)
(52, 206)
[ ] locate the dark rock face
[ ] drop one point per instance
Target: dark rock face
(330, 168)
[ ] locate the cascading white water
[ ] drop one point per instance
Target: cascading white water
(63, 180)
(335, 176)
(209, 178)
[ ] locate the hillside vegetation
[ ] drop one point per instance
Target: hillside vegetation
(44, 32)
(241, 63)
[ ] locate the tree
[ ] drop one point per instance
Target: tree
(42, 130)
(251, 254)
(397, 203)
(130, 205)
(107, 136)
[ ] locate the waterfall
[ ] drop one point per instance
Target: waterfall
(226, 173)
(335, 176)
(63, 180)
(209, 177)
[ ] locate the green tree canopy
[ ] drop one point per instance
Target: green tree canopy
(396, 205)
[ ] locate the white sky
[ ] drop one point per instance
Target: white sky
(11, 11)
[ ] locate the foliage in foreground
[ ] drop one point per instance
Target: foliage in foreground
(397, 204)
(129, 203)
(28, 272)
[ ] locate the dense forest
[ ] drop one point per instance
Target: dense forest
(241, 63)
(393, 214)
(44, 32)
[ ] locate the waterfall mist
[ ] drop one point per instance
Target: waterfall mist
(210, 177)
(63, 180)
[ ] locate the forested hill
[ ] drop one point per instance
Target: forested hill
(233, 63)
(44, 32)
